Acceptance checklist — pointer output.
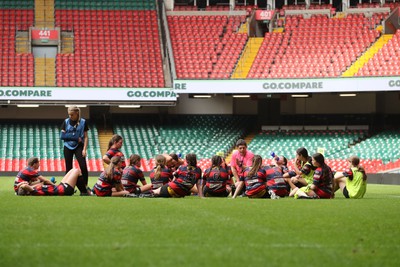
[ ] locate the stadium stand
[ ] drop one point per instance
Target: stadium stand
(22, 140)
(104, 56)
(285, 142)
(385, 61)
(314, 47)
(16, 66)
(206, 46)
(204, 135)
(97, 51)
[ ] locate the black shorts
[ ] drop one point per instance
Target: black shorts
(68, 190)
(164, 191)
(345, 193)
(209, 193)
(262, 194)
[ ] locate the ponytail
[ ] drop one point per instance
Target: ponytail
(110, 169)
(256, 165)
(160, 163)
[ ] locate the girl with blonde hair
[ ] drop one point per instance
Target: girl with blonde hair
(74, 134)
(254, 179)
(109, 183)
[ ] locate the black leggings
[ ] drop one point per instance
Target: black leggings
(69, 158)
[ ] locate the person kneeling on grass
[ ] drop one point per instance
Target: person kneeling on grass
(109, 183)
(322, 186)
(65, 188)
(353, 181)
(255, 180)
(185, 181)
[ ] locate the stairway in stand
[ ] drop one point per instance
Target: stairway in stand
(104, 138)
(44, 13)
(45, 74)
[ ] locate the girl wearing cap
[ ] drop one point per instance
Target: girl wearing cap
(353, 181)
(74, 134)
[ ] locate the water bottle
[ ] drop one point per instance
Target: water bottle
(53, 180)
(273, 154)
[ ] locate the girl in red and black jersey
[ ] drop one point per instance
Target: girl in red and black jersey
(322, 185)
(277, 186)
(303, 172)
(254, 180)
(30, 174)
(110, 179)
(159, 176)
(65, 188)
(132, 175)
(113, 150)
(186, 177)
(216, 179)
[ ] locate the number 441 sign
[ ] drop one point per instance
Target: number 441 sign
(44, 35)
(264, 14)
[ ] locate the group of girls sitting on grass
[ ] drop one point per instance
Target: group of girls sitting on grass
(311, 178)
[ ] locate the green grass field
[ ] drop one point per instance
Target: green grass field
(91, 231)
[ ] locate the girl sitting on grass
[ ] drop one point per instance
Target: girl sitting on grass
(185, 181)
(322, 185)
(217, 179)
(109, 183)
(353, 181)
(254, 179)
(159, 176)
(132, 175)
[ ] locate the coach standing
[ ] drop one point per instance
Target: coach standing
(74, 134)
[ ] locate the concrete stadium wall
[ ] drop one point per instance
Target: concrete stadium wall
(384, 178)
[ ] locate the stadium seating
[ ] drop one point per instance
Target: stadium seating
(206, 46)
(103, 52)
(203, 135)
(315, 47)
(20, 141)
(385, 61)
(334, 143)
(15, 69)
